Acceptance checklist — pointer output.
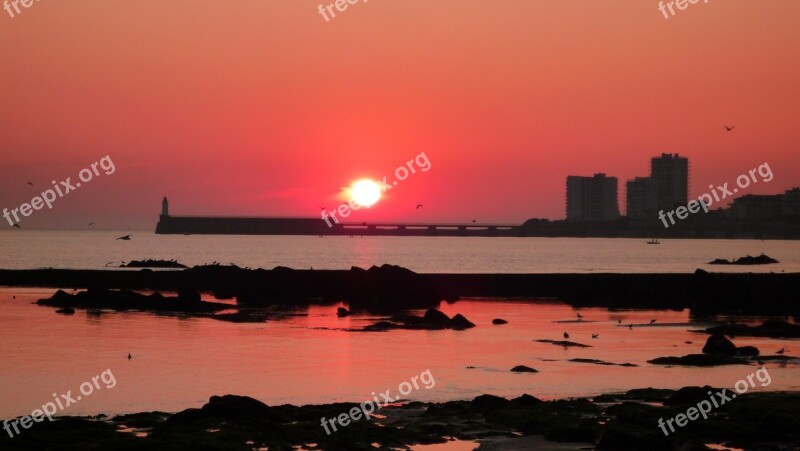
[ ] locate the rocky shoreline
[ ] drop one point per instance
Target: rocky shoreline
(622, 421)
(391, 289)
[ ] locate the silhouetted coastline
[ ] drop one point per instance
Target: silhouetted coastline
(392, 289)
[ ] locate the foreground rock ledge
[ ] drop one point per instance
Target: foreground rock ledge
(624, 421)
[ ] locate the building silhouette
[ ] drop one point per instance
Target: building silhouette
(764, 207)
(666, 189)
(592, 198)
(640, 198)
(670, 174)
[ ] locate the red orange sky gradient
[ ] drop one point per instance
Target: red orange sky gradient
(259, 107)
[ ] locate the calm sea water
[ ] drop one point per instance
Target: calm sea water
(92, 250)
(309, 358)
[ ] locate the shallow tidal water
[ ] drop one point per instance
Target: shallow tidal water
(310, 357)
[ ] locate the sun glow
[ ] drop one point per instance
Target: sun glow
(365, 192)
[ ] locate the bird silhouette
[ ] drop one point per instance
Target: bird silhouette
(619, 321)
(321, 208)
(579, 315)
(653, 321)
(364, 223)
(16, 226)
(630, 326)
(419, 206)
(129, 356)
(91, 224)
(728, 128)
(595, 335)
(126, 238)
(781, 351)
(30, 183)
(474, 220)
(566, 335)
(108, 264)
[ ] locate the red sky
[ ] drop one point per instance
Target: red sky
(260, 107)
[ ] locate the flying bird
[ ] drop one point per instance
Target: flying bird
(728, 128)
(579, 315)
(781, 351)
(91, 224)
(129, 356)
(419, 206)
(474, 220)
(652, 321)
(566, 335)
(595, 335)
(16, 226)
(30, 183)
(126, 238)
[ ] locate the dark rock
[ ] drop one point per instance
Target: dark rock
(459, 322)
(189, 295)
(747, 351)
(699, 360)
(153, 264)
(188, 301)
(434, 317)
(433, 320)
(489, 402)
(689, 395)
(601, 362)
(498, 321)
(527, 400)
(719, 344)
(747, 260)
(523, 369)
(389, 288)
(566, 344)
(382, 326)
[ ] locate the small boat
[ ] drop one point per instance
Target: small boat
(653, 241)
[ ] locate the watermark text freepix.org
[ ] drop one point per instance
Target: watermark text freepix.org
(340, 5)
(717, 399)
(48, 196)
(705, 200)
(61, 401)
(401, 173)
(368, 407)
(7, 4)
(680, 4)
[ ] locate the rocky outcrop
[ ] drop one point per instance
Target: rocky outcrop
(747, 260)
(389, 288)
(432, 320)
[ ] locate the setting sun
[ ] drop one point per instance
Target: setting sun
(365, 192)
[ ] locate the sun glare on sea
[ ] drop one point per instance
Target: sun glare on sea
(366, 192)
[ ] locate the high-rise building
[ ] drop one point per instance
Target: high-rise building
(592, 198)
(640, 198)
(670, 173)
